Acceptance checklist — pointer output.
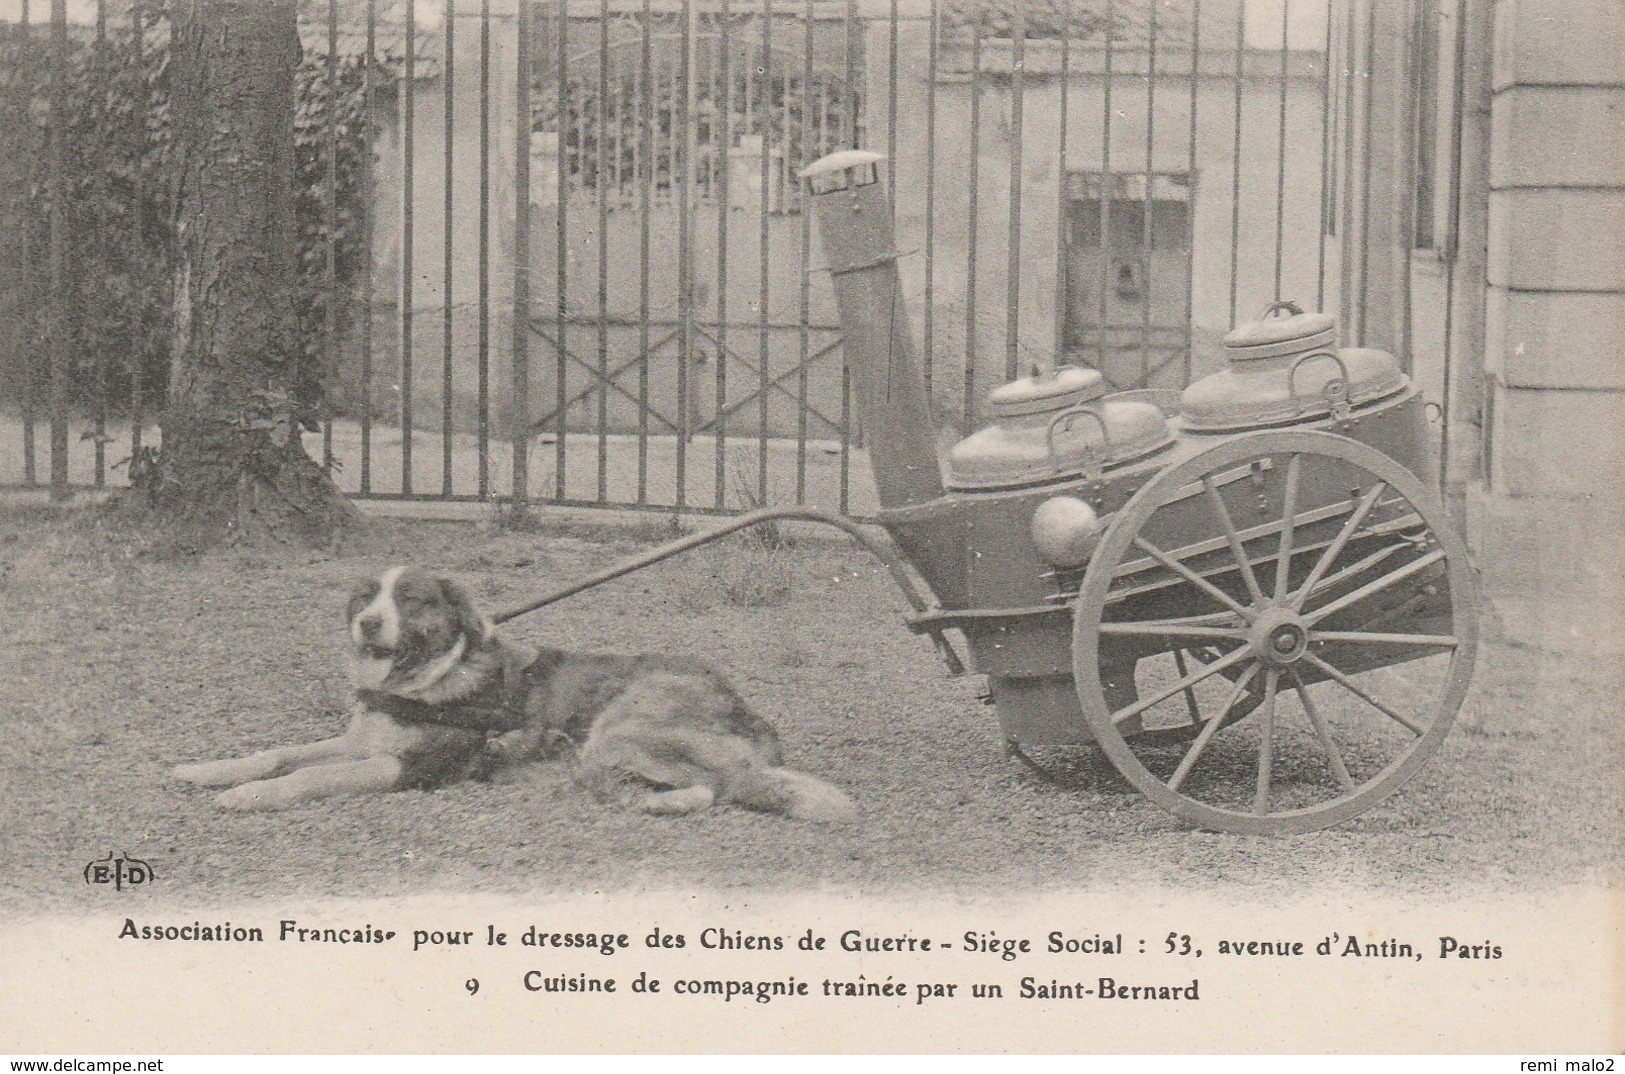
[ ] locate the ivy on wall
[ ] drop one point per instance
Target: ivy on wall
(118, 209)
(1042, 18)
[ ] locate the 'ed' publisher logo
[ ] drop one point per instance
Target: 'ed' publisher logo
(120, 871)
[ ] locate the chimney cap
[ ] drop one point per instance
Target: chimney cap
(841, 161)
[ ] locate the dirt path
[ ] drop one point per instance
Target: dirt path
(113, 669)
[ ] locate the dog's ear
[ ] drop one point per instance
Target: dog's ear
(361, 595)
(464, 614)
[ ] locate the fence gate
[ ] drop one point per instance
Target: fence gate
(558, 251)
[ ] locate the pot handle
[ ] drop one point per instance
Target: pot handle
(1291, 309)
(1336, 391)
(1093, 461)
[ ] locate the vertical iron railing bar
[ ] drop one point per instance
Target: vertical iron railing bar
(1280, 157)
(891, 105)
(764, 265)
(519, 363)
(57, 335)
(1018, 85)
(1347, 176)
(448, 70)
(928, 327)
(484, 346)
(1190, 198)
(648, 159)
(331, 320)
(1365, 156)
(1458, 118)
(1108, 186)
(138, 169)
(1063, 243)
(804, 344)
(561, 249)
(1235, 163)
(601, 169)
(972, 182)
(673, 129)
(789, 186)
(849, 140)
(1146, 235)
(685, 248)
(367, 294)
(1410, 154)
(408, 196)
(720, 150)
(1327, 142)
(99, 476)
(30, 276)
(752, 92)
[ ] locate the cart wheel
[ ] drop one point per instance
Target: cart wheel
(1301, 625)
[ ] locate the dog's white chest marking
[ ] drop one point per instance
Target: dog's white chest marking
(379, 735)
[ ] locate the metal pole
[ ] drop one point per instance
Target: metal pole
(720, 163)
(1147, 236)
(1018, 82)
(485, 253)
(1190, 198)
(601, 181)
(764, 265)
(448, 239)
(61, 355)
(972, 182)
(650, 161)
(1108, 189)
(928, 349)
(1235, 163)
(561, 247)
(408, 197)
(520, 370)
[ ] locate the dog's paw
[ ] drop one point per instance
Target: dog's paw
(680, 801)
(249, 798)
(204, 774)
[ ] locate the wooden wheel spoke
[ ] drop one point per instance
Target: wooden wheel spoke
(1194, 579)
(1334, 757)
(1414, 567)
(1187, 762)
(1335, 549)
(1289, 519)
(1354, 688)
(1168, 628)
(1190, 694)
(1282, 553)
(1266, 745)
(1205, 672)
(1222, 514)
(1367, 637)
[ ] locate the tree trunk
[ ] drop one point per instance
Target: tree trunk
(232, 467)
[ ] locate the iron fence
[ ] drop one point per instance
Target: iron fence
(556, 251)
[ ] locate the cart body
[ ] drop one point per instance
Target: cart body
(1271, 530)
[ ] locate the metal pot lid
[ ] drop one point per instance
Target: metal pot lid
(1250, 395)
(1047, 393)
(1106, 433)
(1283, 329)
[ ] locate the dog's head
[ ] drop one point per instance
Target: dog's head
(407, 621)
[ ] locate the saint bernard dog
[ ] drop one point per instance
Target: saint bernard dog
(442, 697)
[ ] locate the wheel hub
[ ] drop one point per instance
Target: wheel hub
(1279, 637)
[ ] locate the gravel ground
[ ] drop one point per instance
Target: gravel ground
(114, 666)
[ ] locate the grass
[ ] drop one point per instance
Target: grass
(116, 665)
